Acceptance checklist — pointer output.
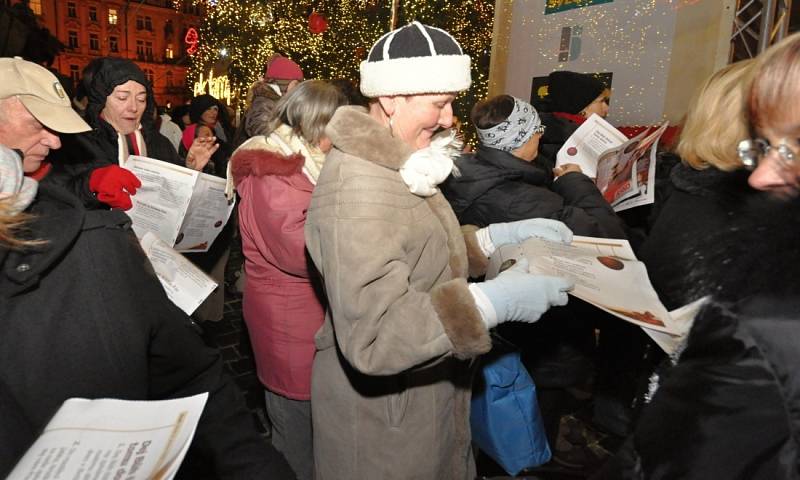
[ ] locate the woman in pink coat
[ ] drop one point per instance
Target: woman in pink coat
(275, 175)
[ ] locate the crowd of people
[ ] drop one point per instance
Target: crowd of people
(367, 227)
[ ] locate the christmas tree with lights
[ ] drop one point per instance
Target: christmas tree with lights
(330, 38)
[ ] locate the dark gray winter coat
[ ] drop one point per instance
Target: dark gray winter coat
(495, 186)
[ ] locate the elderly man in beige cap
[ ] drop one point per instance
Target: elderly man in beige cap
(82, 312)
(33, 105)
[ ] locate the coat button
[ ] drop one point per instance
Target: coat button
(23, 267)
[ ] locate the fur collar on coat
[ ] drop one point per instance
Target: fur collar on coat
(354, 132)
(261, 162)
(758, 253)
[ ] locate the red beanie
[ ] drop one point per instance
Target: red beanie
(281, 68)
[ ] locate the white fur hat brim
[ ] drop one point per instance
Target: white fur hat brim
(415, 75)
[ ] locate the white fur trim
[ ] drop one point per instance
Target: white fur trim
(415, 75)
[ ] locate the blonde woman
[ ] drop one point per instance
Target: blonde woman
(730, 406)
(708, 183)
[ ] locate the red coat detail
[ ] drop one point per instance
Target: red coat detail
(281, 307)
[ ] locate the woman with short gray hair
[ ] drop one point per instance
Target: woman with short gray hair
(275, 175)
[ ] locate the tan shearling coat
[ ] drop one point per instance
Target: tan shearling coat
(392, 376)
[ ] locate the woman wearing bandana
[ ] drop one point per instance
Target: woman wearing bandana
(506, 181)
(503, 182)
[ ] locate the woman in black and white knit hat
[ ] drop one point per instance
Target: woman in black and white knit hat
(391, 381)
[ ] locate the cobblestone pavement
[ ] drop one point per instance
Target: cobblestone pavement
(230, 336)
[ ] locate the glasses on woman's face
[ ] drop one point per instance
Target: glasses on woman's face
(752, 150)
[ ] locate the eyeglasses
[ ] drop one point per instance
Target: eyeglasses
(752, 150)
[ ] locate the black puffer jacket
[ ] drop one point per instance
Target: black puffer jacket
(557, 131)
(730, 407)
(85, 316)
(495, 186)
(701, 202)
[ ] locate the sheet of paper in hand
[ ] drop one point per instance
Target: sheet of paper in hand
(184, 208)
(586, 144)
(605, 271)
(186, 285)
(113, 439)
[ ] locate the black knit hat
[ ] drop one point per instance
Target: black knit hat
(110, 72)
(571, 92)
(415, 59)
(200, 104)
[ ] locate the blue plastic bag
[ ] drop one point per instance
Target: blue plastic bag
(505, 418)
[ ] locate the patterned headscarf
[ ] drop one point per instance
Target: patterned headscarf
(514, 131)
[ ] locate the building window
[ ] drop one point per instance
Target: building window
(72, 10)
(92, 14)
(112, 44)
(148, 51)
(169, 78)
(94, 42)
(148, 74)
(169, 52)
(75, 74)
(144, 23)
(72, 39)
(190, 8)
(112, 16)
(140, 49)
(36, 6)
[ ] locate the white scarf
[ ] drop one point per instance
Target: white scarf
(14, 185)
(284, 138)
(428, 167)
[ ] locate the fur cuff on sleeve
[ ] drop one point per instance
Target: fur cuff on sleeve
(478, 263)
(461, 320)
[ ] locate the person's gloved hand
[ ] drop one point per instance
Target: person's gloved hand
(519, 231)
(519, 296)
(114, 185)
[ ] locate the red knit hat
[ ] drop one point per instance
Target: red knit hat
(281, 68)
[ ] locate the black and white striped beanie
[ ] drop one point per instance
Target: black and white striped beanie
(415, 59)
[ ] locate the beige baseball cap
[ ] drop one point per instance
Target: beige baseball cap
(41, 93)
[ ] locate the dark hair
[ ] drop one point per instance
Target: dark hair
(177, 113)
(351, 91)
(491, 111)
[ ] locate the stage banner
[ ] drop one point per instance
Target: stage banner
(555, 6)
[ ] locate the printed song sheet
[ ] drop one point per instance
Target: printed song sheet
(185, 284)
(626, 174)
(605, 271)
(113, 439)
(623, 169)
(208, 212)
(594, 137)
(184, 208)
(160, 204)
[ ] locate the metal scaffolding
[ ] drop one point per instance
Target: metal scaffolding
(757, 25)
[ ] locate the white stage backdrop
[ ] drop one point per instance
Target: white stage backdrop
(631, 39)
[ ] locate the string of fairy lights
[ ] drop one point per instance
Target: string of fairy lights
(238, 37)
